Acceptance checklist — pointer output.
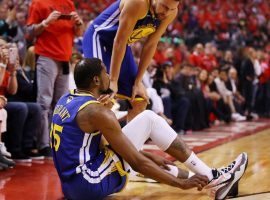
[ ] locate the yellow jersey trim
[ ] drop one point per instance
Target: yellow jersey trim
(118, 165)
(124, 97)
(72, 92)
(95, 133)
(88, 103)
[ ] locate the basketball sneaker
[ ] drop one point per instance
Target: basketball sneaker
(225, 178)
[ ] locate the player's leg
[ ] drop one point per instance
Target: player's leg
(89, 51)
(126, 81)
(150, 125)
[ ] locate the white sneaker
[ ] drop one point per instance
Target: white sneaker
(238, 118)
(254, 116)
(3, 150)
(225, 178)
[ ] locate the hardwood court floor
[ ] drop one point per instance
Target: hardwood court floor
(255, 180)
(39, 181)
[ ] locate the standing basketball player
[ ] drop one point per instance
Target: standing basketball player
(110, 34)
(90, 170)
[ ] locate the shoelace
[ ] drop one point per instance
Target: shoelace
(228, 168)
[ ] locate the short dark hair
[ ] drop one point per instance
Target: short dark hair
(85, 70)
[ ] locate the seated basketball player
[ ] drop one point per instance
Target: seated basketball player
(110, 34)
(89, 170)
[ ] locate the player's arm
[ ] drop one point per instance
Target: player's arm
(97, 117)
(131, 12)
(150, 46)
(163, 163)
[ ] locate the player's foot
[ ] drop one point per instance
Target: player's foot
(225, 178)
(234, 191)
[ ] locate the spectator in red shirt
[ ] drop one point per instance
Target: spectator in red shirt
(54, 24)
(196, 57)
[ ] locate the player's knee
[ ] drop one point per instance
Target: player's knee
(149, 115)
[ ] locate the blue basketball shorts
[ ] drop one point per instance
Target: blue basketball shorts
(99, 45)
(105, 176)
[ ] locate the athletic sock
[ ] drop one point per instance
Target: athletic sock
(198, 166)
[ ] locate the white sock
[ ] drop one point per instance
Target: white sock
(173, 170)
(198, 166)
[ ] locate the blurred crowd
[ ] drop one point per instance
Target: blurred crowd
(212, 66)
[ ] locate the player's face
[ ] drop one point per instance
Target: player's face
(163, 8)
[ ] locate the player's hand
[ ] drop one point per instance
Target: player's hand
(196, 181)
(52, 17)
(76, 18)
(139, 90)
(162, 162)
(106, 98)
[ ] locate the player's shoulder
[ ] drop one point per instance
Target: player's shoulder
(97, 111)
(137, 4)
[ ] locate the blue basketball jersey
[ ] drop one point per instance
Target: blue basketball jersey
(77, 154)
(99, 37)
(106, 24)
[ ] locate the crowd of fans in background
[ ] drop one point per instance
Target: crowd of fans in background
(211, 66)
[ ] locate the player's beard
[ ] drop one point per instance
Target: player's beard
(106, 91)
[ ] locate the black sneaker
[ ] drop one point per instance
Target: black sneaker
(34, 155)
(47, 152)
(20, 157)
(8, 162)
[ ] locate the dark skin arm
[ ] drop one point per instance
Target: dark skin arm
(163, 163)
(97, 117)
(160, 161)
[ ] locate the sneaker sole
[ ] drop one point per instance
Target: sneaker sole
(225, 190)
(23, 160)
(38, 158)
